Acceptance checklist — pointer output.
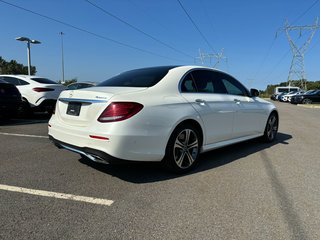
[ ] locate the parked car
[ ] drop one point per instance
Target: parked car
(169, 114)
(10, 100)
(38, 94)
(285, 89)
(287, 97)
(79, 85)
(307, 98)
(274, 97)
(279, 96)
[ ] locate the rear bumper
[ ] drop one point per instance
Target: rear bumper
(131, 143)
(90, 153)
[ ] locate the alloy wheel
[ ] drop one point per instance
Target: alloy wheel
(272, 127)
(307, 101)
(186, 148)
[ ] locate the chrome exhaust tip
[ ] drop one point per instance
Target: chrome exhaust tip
(90, 156)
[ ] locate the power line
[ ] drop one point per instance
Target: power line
(195, 25)
(282, 58)
(265, 58)
(89, 32)
(278, 63)
(136, 28)
(148, 14)
(297, 63)
(314, 45)
(210, 17)
(305, 12)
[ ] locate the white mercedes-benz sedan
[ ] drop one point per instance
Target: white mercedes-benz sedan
(168, 113)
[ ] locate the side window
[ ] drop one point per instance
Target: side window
(232, 86)
(23, 82)
(85, 85)
(216, 78)
(188, 84)
(203, 81)
(72, 87)
(12, 80)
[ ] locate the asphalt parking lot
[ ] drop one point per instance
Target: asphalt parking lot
(251, 190)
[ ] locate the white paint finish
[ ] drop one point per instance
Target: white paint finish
(144, 136)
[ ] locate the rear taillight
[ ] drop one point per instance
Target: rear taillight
(42, 89)
(118, 111)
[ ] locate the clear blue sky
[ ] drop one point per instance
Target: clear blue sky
(244, 29)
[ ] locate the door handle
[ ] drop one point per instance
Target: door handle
(237, 101)
(201, 101)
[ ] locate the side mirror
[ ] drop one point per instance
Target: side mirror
(254, 92)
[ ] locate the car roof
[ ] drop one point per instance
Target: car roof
(21, 76)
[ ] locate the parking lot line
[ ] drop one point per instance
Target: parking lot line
(22, 135)
(99, 201)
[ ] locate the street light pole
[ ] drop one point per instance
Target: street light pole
(25, 39)
(62, 56)
(29, 58)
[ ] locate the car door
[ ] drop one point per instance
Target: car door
(216, 109)
(316, 97)
(249, 118)
(20, 84)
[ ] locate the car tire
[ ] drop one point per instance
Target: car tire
(271, 128)
(183, 149)
(25, 109)
(307, 101)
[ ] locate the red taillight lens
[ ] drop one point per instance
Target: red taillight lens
(42, 89)
(118, 111)
(98, 137)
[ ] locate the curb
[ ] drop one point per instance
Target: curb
(308, 106)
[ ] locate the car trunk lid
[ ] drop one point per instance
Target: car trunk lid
(80, 107)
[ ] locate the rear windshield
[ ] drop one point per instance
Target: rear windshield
(44, 80)
(144, 77)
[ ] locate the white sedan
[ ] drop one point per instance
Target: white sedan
(168, 113)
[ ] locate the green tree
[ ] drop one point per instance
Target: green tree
(313, 85)
(13, 67)
(67, 82)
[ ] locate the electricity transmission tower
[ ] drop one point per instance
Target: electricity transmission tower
(297, 63)
(204, 56)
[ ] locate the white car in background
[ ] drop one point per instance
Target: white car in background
(287, 97)
(39, 94)
(169, 114)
